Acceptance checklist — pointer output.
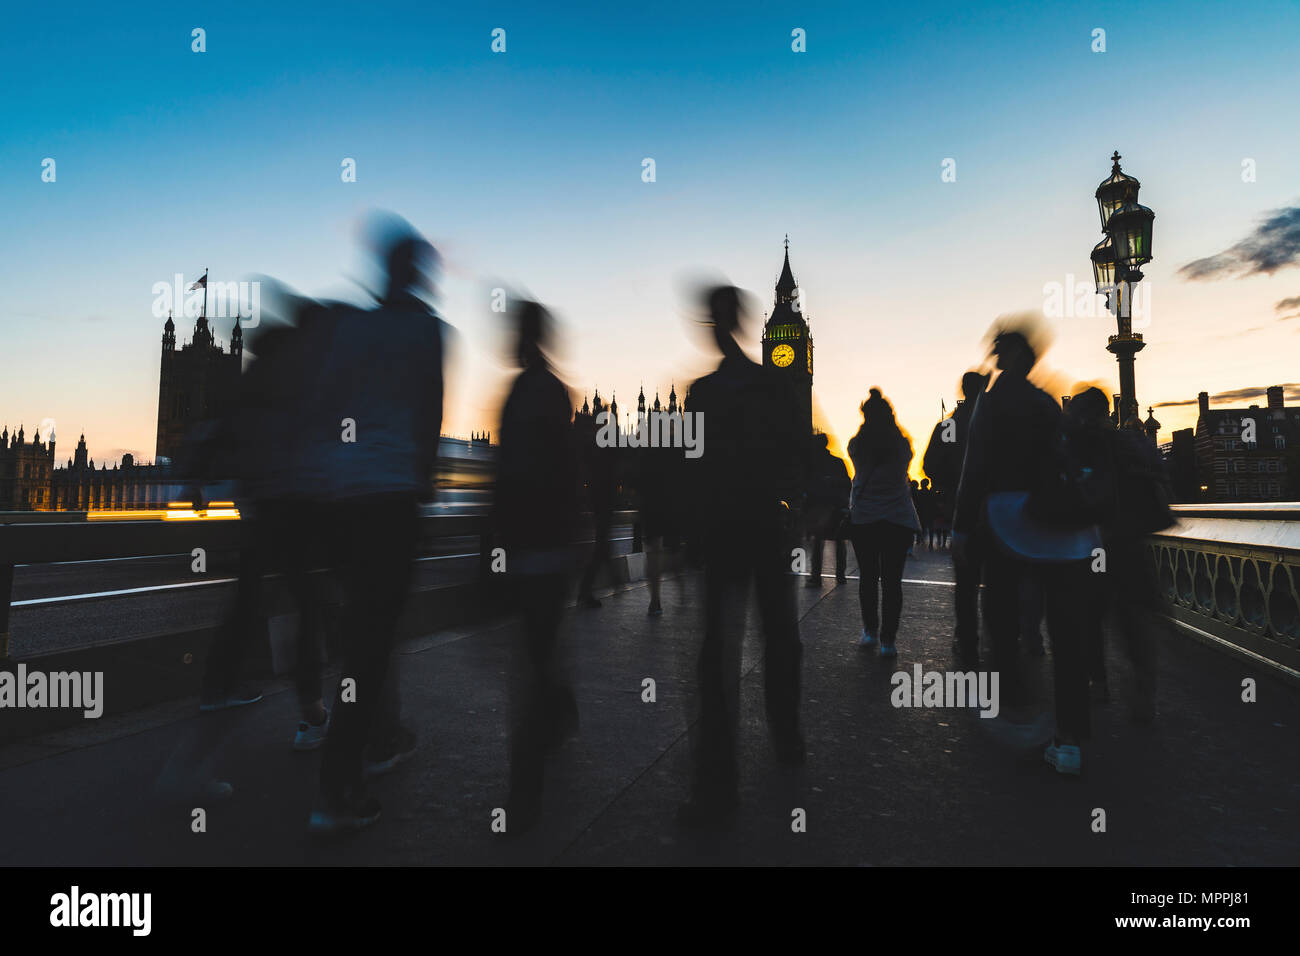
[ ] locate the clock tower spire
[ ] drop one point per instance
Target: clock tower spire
(787, 341)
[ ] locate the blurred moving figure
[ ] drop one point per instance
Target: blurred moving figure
(1128, 591)
(1012, 433)
(658, 479)
(884, 520)
(943, 461)
(599, 474)
(281, 514)
(825, 508)
(536, 519)
(739, 489)
(258, 442)
(373, 440)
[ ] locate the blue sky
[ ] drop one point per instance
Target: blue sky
(525, 168)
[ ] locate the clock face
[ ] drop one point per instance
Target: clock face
(782, 356)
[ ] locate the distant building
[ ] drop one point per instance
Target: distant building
(128, 486)
(25, 470)
(788, 344)
(1230, 467)
(194, 382)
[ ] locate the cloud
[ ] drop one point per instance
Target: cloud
(1291, 303)
(1274, 245)
(1290, 394)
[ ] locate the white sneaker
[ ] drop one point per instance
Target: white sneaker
(310, 736)
(1065, 758)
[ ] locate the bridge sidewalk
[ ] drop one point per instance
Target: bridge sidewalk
(1214, 781)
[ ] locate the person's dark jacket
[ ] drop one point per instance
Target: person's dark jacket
(1012, 442)
(751, 459)
(826, 495)
(942, 461)
(537, 481)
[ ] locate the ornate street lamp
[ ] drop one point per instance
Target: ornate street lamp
(1116, 266)
(1103, 267)
(1115, 190)
(1130, 231)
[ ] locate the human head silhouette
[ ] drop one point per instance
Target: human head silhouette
(972, 383)
(1014, 353)
(533, 328)
(726, 308)
(410, 263)
(1090, 405)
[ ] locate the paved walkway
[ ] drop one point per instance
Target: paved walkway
(1214, 781)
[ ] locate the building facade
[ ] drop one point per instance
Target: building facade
(195, 382)
(1247, 454)
(25, 471)
(127, 486)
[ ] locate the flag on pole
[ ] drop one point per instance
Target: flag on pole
(943, 411)
(200, 283)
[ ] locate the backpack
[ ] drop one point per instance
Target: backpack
(1144, 492)
(1078, 483)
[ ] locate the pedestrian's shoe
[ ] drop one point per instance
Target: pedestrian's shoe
(841, 579)
(1064, 758)
(392, 752)
(589, 600)
(888, 650)
(239, 697)
(656, 610)
(867, 641)
(310, 736)
(814, 581)
(343, 815)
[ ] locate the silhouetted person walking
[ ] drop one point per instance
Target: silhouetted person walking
(943, 462)
(1012, 435)
(599, 469)
(884, 521)
(658, 489)
(536, 517)
(825, 506)
(376, 440)
(1128, 591)
(740, 489)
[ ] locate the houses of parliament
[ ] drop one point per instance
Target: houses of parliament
(193, 383)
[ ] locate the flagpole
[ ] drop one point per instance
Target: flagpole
(205, 292)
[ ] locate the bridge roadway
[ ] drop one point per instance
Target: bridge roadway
(1214, 781)
(61, 606)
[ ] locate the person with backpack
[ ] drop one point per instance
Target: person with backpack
(1128, 591)
(1011, 435)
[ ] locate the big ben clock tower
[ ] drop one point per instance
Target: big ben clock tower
(787, 344)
